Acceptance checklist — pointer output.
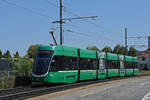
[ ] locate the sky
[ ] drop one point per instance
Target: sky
(26, 22)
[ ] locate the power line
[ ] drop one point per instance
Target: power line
(52, 3)
(96, 25)
(74, 25)
(65, 10)
(139, 41)
(27, 9)
(139, 37)
(76, 18)
(139, 46)
(90, 40)
(61, 21)
(89, 36)
(83, 34)
(68, 11)
(88, 31)
(79, 33)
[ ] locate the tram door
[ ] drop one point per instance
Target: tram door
(122, 67)
(102, 69)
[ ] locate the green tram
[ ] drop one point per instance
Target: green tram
(62, 64)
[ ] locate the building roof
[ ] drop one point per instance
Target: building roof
(147, 50)
(144, 54)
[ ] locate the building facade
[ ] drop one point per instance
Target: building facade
(144, 60)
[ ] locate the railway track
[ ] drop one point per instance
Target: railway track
(7, 92)
(13, 90)
(21, 93)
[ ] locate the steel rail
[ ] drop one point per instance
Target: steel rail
(8, 91)
(37, 92)
(13, 90)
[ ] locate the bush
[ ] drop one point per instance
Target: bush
(20, 77)
(23, 67)
(7, 82)
(12, 81)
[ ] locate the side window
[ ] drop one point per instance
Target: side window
(88, 64)
(135, 64)
(126, 64)
(143, 58)
(74, 62)
(83, 63)
(63, 63)
(129, 65)
(113, 64)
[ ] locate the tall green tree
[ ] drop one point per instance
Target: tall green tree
(122, 50)
(1, 54)
(31, 50)
(7, 54)
(107, 49)
(119, 49)
(116, 49)
(16, 55)
(93, 48)
(132, 51)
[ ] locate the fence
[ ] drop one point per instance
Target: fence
(7, 79)
(8, 73)
(10, 79)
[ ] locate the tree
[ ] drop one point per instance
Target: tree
(23, 66)
(132, 51)
(16, 55)
(1, 54)
(122, 50)
(7, 54)
(119, 49)
(93, 48)
(31, 50)
(107, 49)
(116, 49)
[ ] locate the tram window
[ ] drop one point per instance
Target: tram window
(62, 63)
(135, 64)
(129, 65)
(87, 63)
(74, 63)
(113, 64)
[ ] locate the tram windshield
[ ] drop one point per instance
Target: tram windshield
(41, 63)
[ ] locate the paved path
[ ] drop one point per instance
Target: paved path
(129, 89)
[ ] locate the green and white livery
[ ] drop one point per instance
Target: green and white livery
(63, 64)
